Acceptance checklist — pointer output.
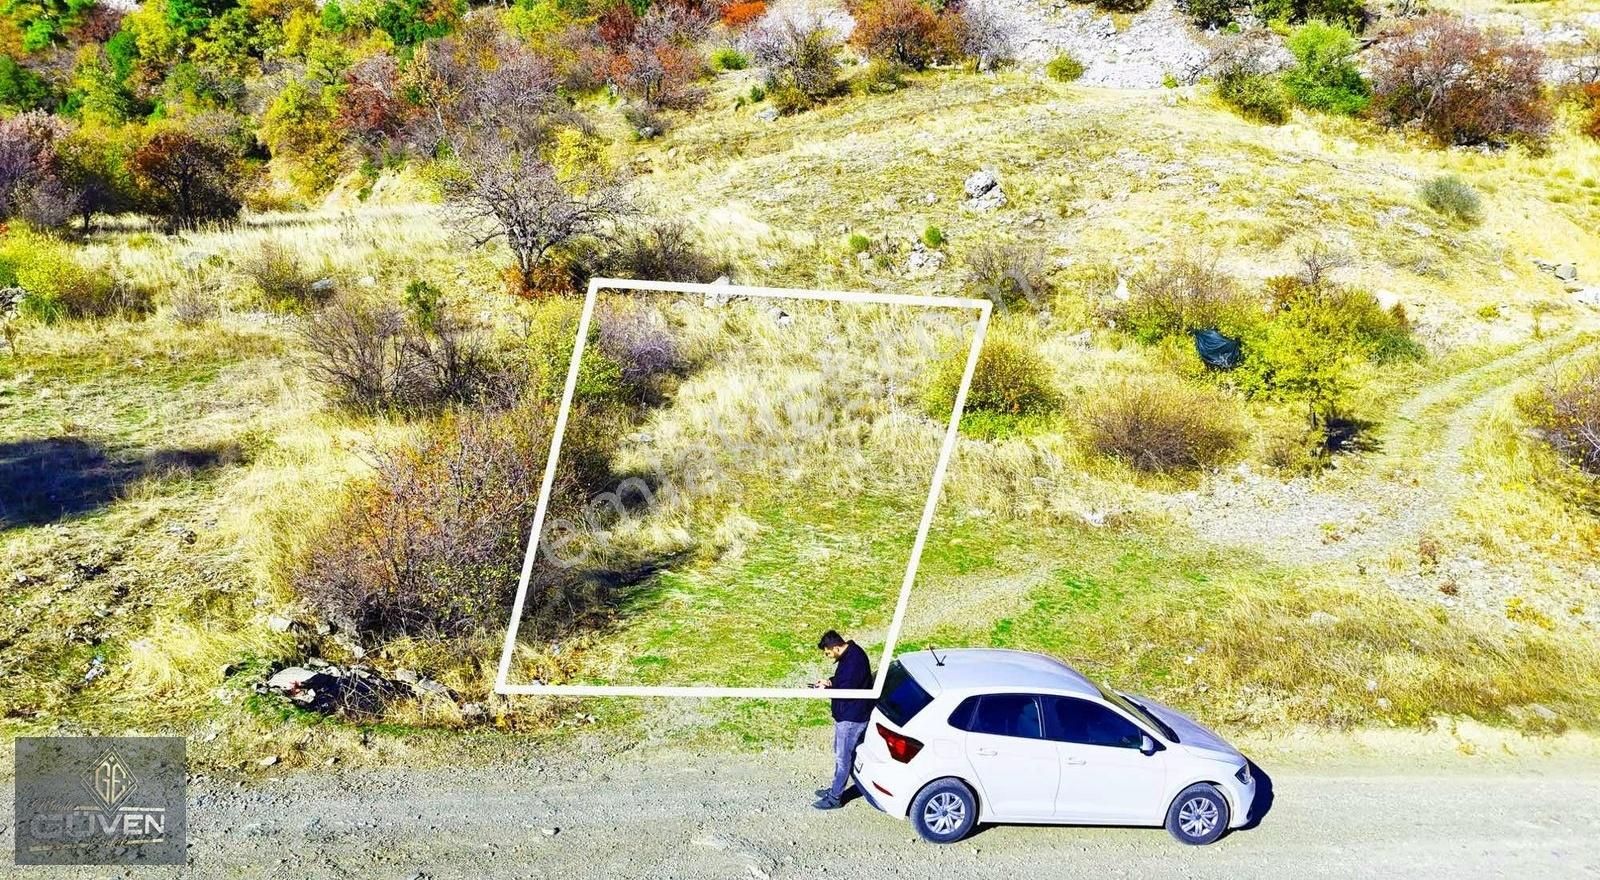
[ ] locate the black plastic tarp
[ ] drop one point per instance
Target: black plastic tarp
(1216, 350)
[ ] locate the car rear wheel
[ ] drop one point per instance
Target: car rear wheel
(1199, 815)
(945, 811)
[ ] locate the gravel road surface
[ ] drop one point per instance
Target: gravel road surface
(672, 815)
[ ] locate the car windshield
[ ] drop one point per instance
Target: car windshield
(1137, 711)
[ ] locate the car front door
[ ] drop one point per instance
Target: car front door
(1104, 775)
(1017, 768)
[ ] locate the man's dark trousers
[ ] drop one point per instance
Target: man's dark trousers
(849, 715)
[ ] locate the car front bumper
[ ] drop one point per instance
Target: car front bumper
(1242, 798)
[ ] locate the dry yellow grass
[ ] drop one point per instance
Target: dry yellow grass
(1108, 182)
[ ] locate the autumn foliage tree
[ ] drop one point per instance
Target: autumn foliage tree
(187, 178)
(906, 32)
(1460, 84)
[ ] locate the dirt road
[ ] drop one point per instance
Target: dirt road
(748, 816)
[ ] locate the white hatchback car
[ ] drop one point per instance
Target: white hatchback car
(967, 736)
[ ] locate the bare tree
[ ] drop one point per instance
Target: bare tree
(493, 105)
(510, 192)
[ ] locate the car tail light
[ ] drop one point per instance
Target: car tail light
(902, 748)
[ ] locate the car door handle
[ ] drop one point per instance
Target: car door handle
(1076, 762)
(988, 753)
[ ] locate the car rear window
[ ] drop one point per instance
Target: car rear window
(902, 696)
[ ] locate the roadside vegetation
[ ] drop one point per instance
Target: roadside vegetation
(288, 294)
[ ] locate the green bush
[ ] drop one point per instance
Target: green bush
(1064, 68)
(728, 58)
(1454, 198)
(1256, 96)
(1317, 333)
(1351, 14)
(858, 243)
(933, 236)
(880, 77)
(1163, 425)
(21, 89)
(1010, 380)
(57, 285)
(1325, 76)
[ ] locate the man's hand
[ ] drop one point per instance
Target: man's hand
(823, 683)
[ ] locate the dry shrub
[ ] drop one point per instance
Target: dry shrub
(645, 349)
(797, 54)
(1566, 412)
(1011, 275)
(371, 356)
(1460, 84)
(1163, 425)
(283, 283)
(433, 546)
(192, 304)
(666, 251)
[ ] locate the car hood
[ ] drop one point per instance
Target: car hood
(1190, 732)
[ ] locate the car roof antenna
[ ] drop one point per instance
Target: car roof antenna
(937, 660)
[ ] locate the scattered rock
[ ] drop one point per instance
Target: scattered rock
(1322, 618)
(767, 114)
(982, 188)
(780, 317)
(549, 832)
(1543, 711)
(322, 285)
(1566, 272)
(930, 199)
(278, 623)
(268, 761)
(923, 260)
(427, 687)
(1588, 296)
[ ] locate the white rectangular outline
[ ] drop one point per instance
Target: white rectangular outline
(502, 686)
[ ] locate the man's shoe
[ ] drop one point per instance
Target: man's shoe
(828, 802)
(823, 792)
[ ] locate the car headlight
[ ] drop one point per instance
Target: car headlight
(1243, 775)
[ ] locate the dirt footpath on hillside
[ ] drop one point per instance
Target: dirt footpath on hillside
(667, 815)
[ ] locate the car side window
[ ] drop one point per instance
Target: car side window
(1001, 715)
(1090, 724)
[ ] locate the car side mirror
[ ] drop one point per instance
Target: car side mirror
(1147, 745)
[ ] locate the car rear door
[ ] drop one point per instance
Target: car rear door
(1104, 775)
(1017, 768)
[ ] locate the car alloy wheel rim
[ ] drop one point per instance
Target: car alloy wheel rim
(944, 813)
(1197, 816)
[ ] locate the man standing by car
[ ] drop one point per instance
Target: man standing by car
(849, 715)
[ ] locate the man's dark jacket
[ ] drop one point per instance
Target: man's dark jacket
(854, 673)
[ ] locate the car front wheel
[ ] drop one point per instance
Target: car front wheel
(945, 811)
(1199, 815)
